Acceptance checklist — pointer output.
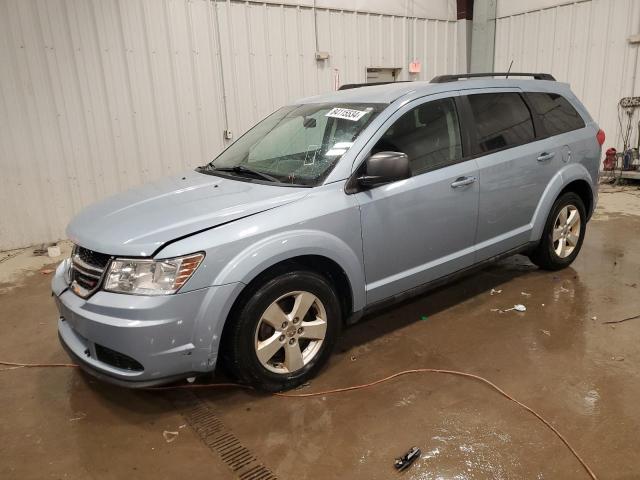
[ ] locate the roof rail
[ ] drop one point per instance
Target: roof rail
(453, 78)
(349, 86)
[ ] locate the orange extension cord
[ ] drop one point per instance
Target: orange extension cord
(356, 387)
(34, 365)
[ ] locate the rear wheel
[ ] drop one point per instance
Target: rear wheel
(283, 332)
(563, 234)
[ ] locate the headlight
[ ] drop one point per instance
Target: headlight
(151, 277)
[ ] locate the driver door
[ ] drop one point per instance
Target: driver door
(422, 228)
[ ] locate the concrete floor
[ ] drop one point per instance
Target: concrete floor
(557, 357)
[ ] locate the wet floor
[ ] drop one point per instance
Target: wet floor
(557, 357)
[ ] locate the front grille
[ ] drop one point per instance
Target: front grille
(95, 259)
(87, 269)
(117, 359)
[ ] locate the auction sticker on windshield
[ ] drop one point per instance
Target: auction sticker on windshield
(346, 114)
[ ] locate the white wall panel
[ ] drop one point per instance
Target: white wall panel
(97, 96)
(436, 9)
(583, 43)
(506, 8)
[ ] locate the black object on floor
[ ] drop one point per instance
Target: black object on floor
(404, 462)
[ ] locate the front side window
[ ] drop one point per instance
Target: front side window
(297, 145)
(502, 120)
(555, 113)
(428, 134)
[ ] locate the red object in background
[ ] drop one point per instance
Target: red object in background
(610, 159)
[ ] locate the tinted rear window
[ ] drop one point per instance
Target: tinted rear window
(502, 120)
(555, 113)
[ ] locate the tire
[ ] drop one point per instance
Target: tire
(258, 325)
(550, 254)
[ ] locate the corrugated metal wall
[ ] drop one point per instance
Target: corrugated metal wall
(98, 96)
(583, 43)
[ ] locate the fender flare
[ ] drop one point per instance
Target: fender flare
(570, 173)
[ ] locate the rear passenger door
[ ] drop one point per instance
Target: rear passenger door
(554, 118)
(513, 168)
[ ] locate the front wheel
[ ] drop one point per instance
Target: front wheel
(283, 332)
(563, 234)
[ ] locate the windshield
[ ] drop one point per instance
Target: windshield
(297, 144)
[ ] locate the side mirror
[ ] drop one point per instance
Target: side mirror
(385, 167)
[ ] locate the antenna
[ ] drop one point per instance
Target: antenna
(510, 65)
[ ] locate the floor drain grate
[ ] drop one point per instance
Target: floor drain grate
(219, 438)
(257, 472)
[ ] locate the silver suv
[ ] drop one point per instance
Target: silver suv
(323, 211)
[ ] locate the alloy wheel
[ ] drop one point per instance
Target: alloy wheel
(566, 231)
(290, 332)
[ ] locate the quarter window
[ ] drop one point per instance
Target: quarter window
(555, 113)
(502, 120)
(429, 134)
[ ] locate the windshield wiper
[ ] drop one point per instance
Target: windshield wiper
(243, 169)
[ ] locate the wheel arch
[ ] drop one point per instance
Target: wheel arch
(583, 189)
(319, 264)
(316, 250)
(322, 265)
(573, 178)
(313, 250)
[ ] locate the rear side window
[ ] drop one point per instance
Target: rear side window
(502, 120)
(555, 113)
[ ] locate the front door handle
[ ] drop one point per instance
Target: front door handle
(462, 181)
(543, 157)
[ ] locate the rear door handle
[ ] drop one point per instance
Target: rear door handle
(462, 181)
(543, 157)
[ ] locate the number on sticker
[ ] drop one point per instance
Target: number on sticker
(346, 114)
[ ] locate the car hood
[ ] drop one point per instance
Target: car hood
(141, 220)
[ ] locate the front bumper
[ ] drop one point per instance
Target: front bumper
(161, 338)
(109, 378)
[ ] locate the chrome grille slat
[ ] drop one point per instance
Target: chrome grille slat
(87, 270)
(81, 264)
(93, 273)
